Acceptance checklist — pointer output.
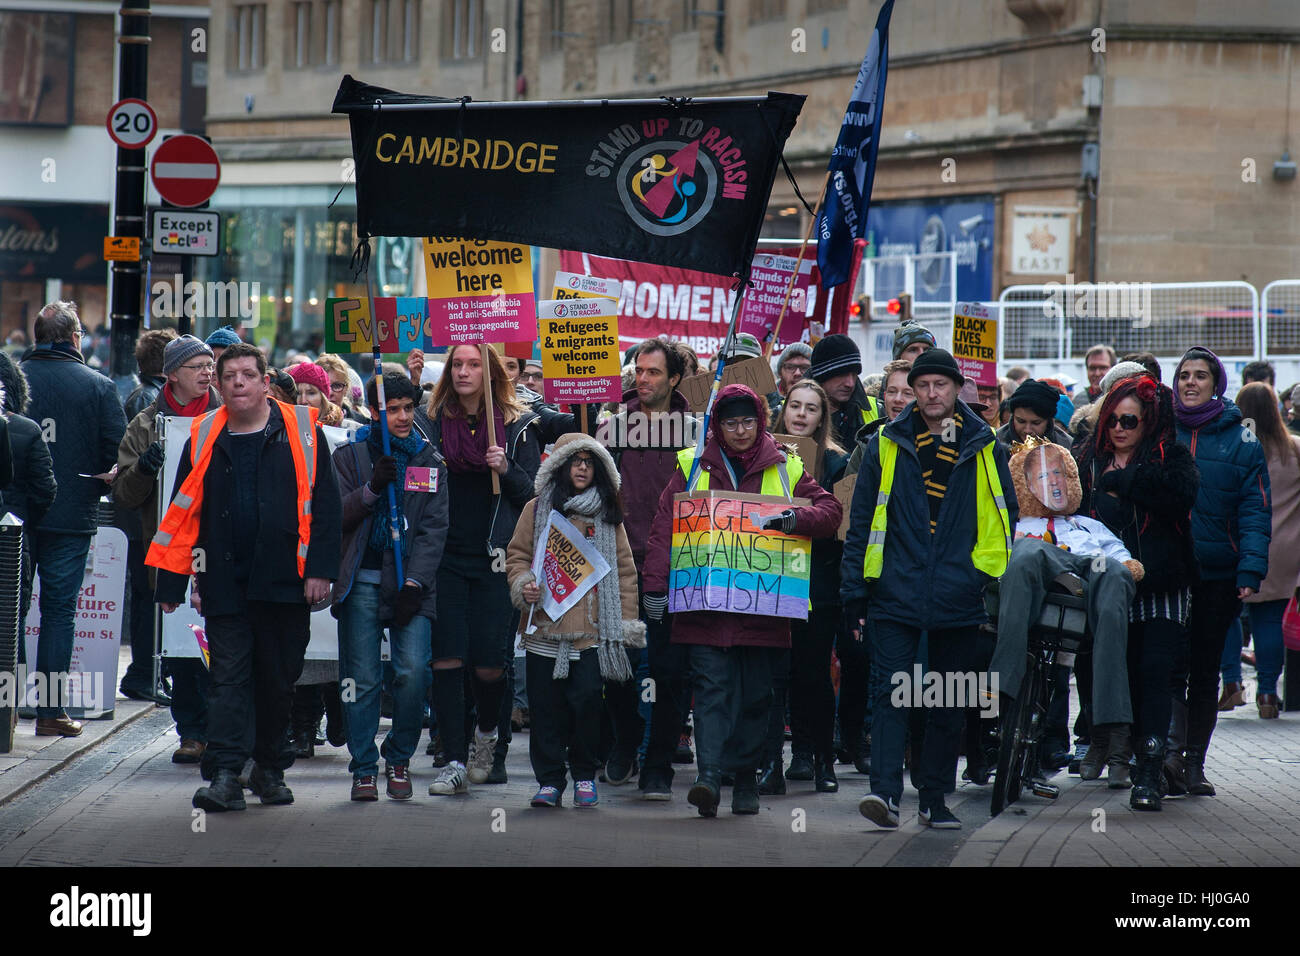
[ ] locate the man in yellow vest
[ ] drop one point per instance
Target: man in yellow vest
(256, 518)
(931, 524)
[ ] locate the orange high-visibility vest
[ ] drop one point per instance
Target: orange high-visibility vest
(173, 545)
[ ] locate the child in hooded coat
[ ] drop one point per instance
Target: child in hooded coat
(568, 660)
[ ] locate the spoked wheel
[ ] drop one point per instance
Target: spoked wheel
(1013, 747)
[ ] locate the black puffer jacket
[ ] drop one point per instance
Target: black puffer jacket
(31, 491)
(85, 426)
(1157, 495)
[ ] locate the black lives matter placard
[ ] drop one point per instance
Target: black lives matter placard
(683, 186)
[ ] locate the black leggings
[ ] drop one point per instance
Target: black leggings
(812, 698)
(1152, 649)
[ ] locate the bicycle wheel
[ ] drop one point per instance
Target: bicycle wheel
(1013, 734)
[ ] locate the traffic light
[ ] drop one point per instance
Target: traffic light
(901, 307)
(861, 308)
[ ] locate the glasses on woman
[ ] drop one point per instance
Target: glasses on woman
(586, 461)
(739, 424)
(1126, 422)
(336, 387)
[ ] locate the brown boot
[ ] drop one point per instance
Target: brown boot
(63, 726)
(1231, 696)
(1269, 705)
(1094, 761)
(190, 751)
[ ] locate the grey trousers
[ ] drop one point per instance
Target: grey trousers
(1034, 563)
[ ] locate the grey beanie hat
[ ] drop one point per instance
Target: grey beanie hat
(791, 350)
(181, 350)
(1118, 371)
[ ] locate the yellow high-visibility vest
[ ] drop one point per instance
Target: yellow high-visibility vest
(778, 479)
(992, 520)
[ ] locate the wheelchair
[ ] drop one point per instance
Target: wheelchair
(1059, 635)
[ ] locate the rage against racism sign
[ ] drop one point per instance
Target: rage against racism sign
(683, 185)
(722, 561)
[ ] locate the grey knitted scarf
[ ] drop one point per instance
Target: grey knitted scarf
(609, 645)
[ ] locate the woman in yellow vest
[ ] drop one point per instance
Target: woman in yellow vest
(733, 654)
(932, 516)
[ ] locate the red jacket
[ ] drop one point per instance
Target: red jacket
(820, 519)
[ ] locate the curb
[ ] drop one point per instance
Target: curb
(18, 780)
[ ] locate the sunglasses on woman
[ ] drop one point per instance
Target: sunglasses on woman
(1126, 422)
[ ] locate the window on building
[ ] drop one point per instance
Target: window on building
(462, 29)
(764, 10)
(250, 37)
(683, 12)
(555, 22)
(330, 54)
(301, 33)
(394, 31)
(617, 25)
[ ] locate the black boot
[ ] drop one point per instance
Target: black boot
(1175, 767)
(824, 775)
(1121, 752)
(224, 793)
(801, 767)
(706, 792)
(336, 729)
(268, 783)
(772, 780)
(1197, 785)
(744, 794)
(1145, 795)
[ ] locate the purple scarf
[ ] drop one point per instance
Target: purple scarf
(465, 450)
(1207, 412)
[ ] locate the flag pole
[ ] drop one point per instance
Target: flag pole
(488, 411)
(803, 247)
(717, 377)
(394, 514)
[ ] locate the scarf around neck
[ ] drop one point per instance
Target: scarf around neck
(466, 449)
(609, 646)
(190, 410)
(1206, 412)
(403, 450)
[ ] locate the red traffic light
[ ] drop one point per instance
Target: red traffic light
(895, 307)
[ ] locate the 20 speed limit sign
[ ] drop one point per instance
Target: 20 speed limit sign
(132, 123)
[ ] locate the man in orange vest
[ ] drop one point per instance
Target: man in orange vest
(256, 518)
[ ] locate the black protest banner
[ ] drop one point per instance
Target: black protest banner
(680, 183)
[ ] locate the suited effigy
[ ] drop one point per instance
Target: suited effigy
(1052, 539)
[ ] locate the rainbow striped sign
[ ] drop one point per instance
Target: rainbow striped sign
(400, 324)
(721, 560)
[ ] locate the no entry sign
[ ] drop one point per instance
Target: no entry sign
(185, 170)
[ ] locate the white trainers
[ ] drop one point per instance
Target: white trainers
(480, 757)
(450, 781)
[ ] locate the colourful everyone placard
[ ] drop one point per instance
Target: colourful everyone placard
(722, 560)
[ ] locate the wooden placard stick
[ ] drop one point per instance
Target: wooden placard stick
(488, 411)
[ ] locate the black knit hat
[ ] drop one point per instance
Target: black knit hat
(835, 355)
(1038, 397)
(935, 362)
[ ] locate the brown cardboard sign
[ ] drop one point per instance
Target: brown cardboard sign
(754, 372)
(805, 448)
(844, 494)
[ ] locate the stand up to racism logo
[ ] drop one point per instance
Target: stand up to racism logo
(668, 185)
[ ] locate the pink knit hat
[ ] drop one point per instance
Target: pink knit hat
(309, 373)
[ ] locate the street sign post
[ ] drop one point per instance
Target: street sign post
(132, 123)
(185, 170)
(180, 232)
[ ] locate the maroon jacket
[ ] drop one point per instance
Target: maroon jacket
(645, 471)
(820, 519)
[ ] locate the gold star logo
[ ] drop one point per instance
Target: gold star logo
(1040, 240)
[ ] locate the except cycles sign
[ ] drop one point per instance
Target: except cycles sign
(185, 233)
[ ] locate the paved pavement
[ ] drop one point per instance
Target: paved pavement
(124, 802)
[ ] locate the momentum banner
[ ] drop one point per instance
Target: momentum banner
(678, 182)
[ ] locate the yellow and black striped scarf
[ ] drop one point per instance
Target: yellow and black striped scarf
(937, 457)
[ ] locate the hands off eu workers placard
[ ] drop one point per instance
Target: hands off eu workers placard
(580, 355)
(721, 560)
